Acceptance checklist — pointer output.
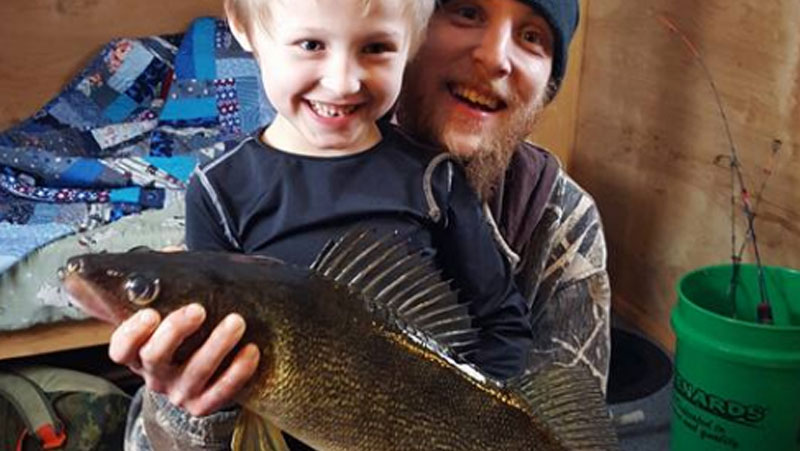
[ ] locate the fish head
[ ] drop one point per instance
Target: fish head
(113, 286)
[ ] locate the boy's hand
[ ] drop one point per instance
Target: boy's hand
(146, 346)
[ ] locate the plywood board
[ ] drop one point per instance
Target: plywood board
(556, 130)
(43, 43)
(44, 339)
(652, 148)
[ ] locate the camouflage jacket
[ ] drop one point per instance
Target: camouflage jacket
(553, 230)
(550, 230)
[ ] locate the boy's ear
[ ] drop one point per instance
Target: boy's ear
(239, 34)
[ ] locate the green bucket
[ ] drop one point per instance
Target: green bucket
(737, 382)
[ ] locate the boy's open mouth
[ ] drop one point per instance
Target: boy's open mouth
(330, 110)
(479, 100)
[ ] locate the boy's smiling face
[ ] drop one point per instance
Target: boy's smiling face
(331, 69)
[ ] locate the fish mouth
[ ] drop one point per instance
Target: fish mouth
(91, 298)
(478, 98)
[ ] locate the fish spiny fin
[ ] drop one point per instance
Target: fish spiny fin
(403, 286)
(329, 258)
(569, 400)
(254, 433)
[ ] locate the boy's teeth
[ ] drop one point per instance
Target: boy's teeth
(476, 97)
(328, 110)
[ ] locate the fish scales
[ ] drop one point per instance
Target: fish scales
(340, 370)
(378, 381)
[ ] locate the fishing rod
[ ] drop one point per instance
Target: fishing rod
(776, 147)
(764, 309)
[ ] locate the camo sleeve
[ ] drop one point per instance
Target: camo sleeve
(566, 281)
(154, 424)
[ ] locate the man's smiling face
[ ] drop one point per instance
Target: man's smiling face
(480, 77)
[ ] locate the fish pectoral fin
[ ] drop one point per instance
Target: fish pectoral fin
(255, 433)
(569, 400)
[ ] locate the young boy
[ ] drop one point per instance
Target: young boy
(331, 69)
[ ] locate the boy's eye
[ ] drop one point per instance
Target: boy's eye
(377, 48)
(311, 45)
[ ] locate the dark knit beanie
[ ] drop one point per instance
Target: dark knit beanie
(562, 15)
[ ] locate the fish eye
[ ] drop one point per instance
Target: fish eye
(142, 290)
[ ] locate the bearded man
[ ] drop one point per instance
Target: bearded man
(476, 88)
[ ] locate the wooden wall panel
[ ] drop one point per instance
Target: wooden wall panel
(556, 130)
(651, 145)
(43, 43)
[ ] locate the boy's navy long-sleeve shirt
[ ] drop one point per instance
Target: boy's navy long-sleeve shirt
(256, 199)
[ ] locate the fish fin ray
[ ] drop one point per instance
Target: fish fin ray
(335, 250)
(254, 433)
(570, 401)
(392, 292)
(427, 298)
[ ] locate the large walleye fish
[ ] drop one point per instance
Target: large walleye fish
(365, 350)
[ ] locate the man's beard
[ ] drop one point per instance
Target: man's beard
(486, 165)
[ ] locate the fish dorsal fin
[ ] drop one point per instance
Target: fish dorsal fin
(404, 287)
(569, 400)
(255, 433)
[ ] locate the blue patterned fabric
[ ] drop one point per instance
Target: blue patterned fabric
(215, 96)
(133, 123)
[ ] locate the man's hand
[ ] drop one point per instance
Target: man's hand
(146, 345)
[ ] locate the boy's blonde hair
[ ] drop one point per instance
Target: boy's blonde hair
(250, 13)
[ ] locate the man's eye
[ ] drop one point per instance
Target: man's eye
(311, 46)
(463, 12)
(468, 12)
(533, 37)
(535, 40)
(377, 48)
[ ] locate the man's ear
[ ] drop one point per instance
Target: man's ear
(239, 33)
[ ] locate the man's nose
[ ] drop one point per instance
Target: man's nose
(493, 50)
(342, 76)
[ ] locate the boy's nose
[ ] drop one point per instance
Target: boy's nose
(342, 77)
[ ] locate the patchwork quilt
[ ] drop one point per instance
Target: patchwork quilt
(104, 165)
(125, 131)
